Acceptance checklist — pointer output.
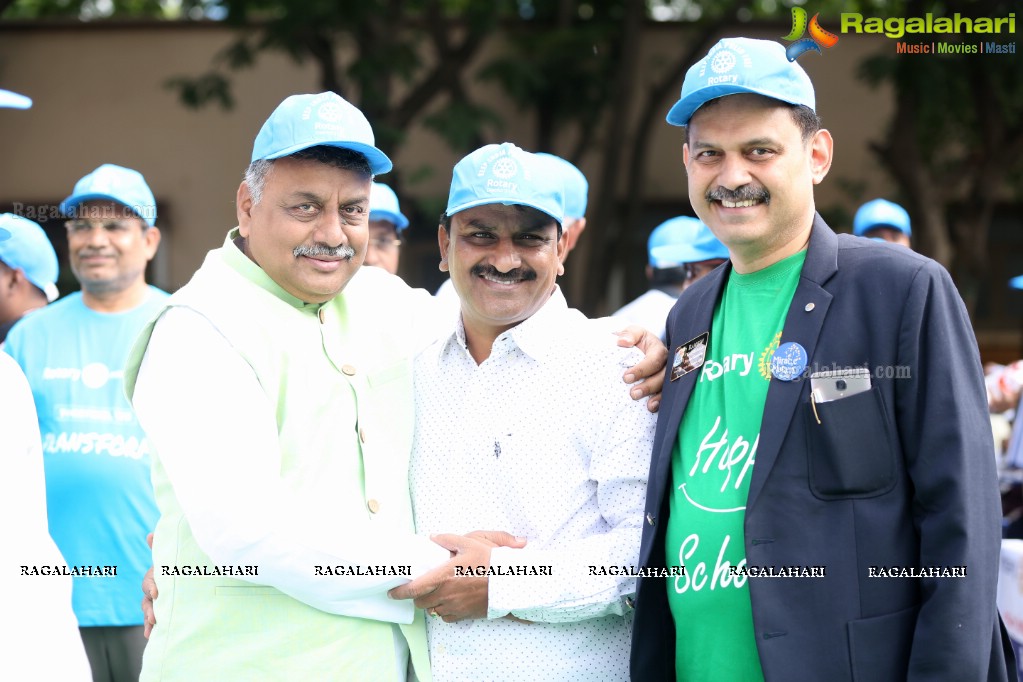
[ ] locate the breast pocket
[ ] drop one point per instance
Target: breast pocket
(851, 447)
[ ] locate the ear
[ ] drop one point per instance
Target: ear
(243, 208)
(571, 236)
(821, 149)
(151, 237)
(563, 249)
(10, 278)
(443, 241)
(685, 154)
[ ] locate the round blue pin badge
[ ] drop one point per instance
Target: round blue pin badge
(788, 361)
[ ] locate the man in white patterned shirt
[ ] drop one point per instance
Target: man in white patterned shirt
(519, 427)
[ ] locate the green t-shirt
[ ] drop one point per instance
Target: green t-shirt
(711, 467)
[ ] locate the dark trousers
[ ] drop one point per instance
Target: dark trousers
(115, 652)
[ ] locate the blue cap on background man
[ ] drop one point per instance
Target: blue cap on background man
(115, 183)
(28, 249)
(1016, 282)
(303, 121)
(576, 186)
(742, 65)
(383, 205)
(505, 174)
(682, 240)
(881, 213)
(12, 100)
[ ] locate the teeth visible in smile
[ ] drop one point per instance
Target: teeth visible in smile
(738, 204)
(500, 280)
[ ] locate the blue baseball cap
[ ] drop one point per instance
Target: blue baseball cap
(504, 174)
(683, 240)
(113, 183)
(881, 213)
(383, 205)
(1016, 282)
(12, 100)
(742, 65)
(576, 186)
(28, 249)
(303, 121)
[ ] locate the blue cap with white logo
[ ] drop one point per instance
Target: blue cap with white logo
(30, 251)
(303, 121)
(683, 240)
(742, 65)
(12, 100)
(113, 183)
(505, 174)
(576, 186)
(881, 213)
(383, 205)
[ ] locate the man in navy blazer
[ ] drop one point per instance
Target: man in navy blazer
(833, 512)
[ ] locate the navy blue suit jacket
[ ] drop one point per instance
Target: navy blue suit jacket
(902, 475)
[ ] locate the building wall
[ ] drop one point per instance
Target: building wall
(100, 96)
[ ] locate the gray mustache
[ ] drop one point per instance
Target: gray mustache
(343, 251)
(744, 193)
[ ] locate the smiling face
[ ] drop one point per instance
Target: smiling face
(751, 177)
(503, 261)
(110, 250)
(309, 230)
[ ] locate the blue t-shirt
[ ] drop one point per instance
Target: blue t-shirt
(99, 495)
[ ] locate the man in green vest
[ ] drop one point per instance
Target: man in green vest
(276, 389)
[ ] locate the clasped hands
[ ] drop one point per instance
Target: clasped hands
(452, 591)
(455, 591)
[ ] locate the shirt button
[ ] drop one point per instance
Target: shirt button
(348, 370)
(362, 435)
(373, 505)
(650, 519)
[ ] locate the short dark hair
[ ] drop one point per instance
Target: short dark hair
(805, 118)
(445, 219)
(338, 157)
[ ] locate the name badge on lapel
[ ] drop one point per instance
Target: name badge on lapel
(689, 356)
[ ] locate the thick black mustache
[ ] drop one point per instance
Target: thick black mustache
(343, 251)
(521, 274)
(743, 193)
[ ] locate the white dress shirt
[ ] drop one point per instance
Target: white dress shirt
(541, 440)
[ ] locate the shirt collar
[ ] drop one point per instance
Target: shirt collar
(248, 269)
(533, 335)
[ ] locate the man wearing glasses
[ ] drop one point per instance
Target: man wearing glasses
(386, 223)
(95, 455)
(680, 251)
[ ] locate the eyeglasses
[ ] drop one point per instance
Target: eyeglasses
(695, 271)
(111, 226)
(385, 244)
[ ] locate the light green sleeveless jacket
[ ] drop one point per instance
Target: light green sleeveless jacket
(340, 377)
